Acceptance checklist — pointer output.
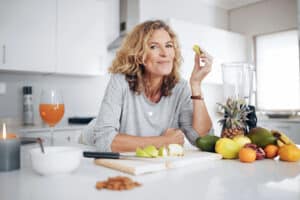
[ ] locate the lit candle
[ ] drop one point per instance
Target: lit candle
(9, 151)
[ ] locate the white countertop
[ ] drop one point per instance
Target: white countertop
(222, 179)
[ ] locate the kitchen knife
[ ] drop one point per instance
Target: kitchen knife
(109, 155)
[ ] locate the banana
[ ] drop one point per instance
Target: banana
(279, 143)
(282, 138)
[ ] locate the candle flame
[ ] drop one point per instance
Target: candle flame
(4, 131)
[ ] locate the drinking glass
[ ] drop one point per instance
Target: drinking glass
(51, 108)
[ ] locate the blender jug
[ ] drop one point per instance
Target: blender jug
(237, 80)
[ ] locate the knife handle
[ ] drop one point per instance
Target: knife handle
(108, 155)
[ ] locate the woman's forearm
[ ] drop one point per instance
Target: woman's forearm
(127, 143)
(201, 119)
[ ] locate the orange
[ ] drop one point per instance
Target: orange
(290, 153)
(247, 155)
(271, 151)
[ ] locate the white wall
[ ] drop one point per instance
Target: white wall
(264, 17)
(191, 10)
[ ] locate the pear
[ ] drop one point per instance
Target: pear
(141, 153)
(175, 150)
(163, 151)
(151, 150)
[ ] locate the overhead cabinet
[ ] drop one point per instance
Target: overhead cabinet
(52, 36)
(27, 35)
(80, 37)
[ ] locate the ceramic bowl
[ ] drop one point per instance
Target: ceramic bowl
(55, 160)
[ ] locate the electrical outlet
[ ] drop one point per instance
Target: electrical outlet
(2, 88)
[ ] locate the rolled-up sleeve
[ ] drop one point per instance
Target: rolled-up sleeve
(186, 116)
(103, 130)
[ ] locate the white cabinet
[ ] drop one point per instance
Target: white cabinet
(27, 35)
(290, 128)
(52, 36)
(80, 37)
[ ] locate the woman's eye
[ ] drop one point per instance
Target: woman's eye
(169, 45)
(153, 47)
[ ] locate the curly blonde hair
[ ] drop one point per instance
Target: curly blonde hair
(132, 53)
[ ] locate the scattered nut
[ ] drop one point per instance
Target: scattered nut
(117, 183)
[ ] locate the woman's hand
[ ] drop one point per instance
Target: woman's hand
(174, 136)
(200, 72)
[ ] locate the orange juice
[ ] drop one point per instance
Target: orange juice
(52, 113)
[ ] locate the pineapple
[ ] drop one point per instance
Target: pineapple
(235, 117)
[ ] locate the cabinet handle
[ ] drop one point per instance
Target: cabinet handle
(3, 54)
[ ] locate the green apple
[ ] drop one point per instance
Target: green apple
(141, 153)
(163, 151)
(151, 150)
(241, 140)
(175, 150)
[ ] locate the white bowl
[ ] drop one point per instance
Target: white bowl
(56, 160)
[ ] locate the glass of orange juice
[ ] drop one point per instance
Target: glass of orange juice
(51, 108)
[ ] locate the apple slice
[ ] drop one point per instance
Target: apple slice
(163, 151)
(141, 153)
(197, 49)
(175, 150)
(151, 150)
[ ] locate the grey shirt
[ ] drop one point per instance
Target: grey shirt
(123, 111)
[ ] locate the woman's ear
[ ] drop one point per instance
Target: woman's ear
(142, 66)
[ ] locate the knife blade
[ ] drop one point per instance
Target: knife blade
(109, 155)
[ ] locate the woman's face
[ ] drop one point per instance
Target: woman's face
(160, 54)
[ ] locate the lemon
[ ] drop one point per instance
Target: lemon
(228, 148)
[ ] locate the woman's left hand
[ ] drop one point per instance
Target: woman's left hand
(200, 72)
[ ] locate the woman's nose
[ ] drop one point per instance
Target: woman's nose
(163, 51)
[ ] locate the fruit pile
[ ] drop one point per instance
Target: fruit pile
(260, 143)
(151, 151)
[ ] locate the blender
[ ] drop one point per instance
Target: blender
(237, 80)
(238, 84)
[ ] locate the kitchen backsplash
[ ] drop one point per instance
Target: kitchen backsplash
(82, 95)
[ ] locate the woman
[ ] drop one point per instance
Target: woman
(145, 101)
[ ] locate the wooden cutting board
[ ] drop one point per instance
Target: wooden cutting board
(149, 165)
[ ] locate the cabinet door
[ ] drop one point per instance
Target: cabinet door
(27, 35)
(80, 37)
